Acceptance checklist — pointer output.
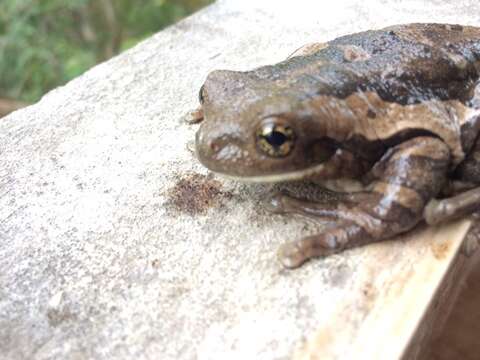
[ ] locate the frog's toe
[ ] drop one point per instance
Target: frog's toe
(471, 244)
(194, 117)
(292, 255)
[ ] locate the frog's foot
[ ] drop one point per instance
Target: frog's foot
(194, 117)
(438, 211)
(472, 241)
(294, 254)
(393, 204)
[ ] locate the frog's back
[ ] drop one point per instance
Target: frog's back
(410, 63)
(404, 64)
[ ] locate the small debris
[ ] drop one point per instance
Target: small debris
(194, 194)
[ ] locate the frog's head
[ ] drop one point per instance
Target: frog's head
(257, 130)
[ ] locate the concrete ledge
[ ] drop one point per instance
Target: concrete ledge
(116, 243)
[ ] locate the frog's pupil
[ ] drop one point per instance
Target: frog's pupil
(276, 138)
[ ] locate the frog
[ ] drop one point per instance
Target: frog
(387, 118)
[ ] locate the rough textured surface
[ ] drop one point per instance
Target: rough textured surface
(101, 258)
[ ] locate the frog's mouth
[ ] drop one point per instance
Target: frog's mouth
(315, 173)
(304, 174)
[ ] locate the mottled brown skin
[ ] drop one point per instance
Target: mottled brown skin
(397, 110)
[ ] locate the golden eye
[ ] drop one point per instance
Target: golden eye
(276, 140)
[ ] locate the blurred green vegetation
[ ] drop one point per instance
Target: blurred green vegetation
(45, 43)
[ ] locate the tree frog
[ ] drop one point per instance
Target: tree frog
(394, 113)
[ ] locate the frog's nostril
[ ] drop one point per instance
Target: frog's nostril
(214, 146)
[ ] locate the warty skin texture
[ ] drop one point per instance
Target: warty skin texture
(396, 110)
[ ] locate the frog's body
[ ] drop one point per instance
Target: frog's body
(397, 110)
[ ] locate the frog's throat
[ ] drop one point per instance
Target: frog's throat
(297, 175)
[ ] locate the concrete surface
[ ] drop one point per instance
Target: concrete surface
(114, 241)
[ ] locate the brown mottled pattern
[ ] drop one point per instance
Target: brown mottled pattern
(417, 164)
(383, 86)
(470, 168)
(439, 118)
(404, 196)
(397, 109)
(354, 53)
(393, 204)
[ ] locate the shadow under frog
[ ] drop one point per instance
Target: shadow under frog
(390, 117)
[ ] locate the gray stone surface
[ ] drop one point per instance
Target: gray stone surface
(114, 242)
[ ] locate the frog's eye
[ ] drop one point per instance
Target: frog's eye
(274, 139)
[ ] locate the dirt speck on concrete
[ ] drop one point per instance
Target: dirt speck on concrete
(194, 194)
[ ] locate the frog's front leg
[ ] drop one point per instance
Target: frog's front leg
(403, 181)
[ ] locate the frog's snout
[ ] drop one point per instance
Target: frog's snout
(206, 147)
(209, 148)
(218, 153)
